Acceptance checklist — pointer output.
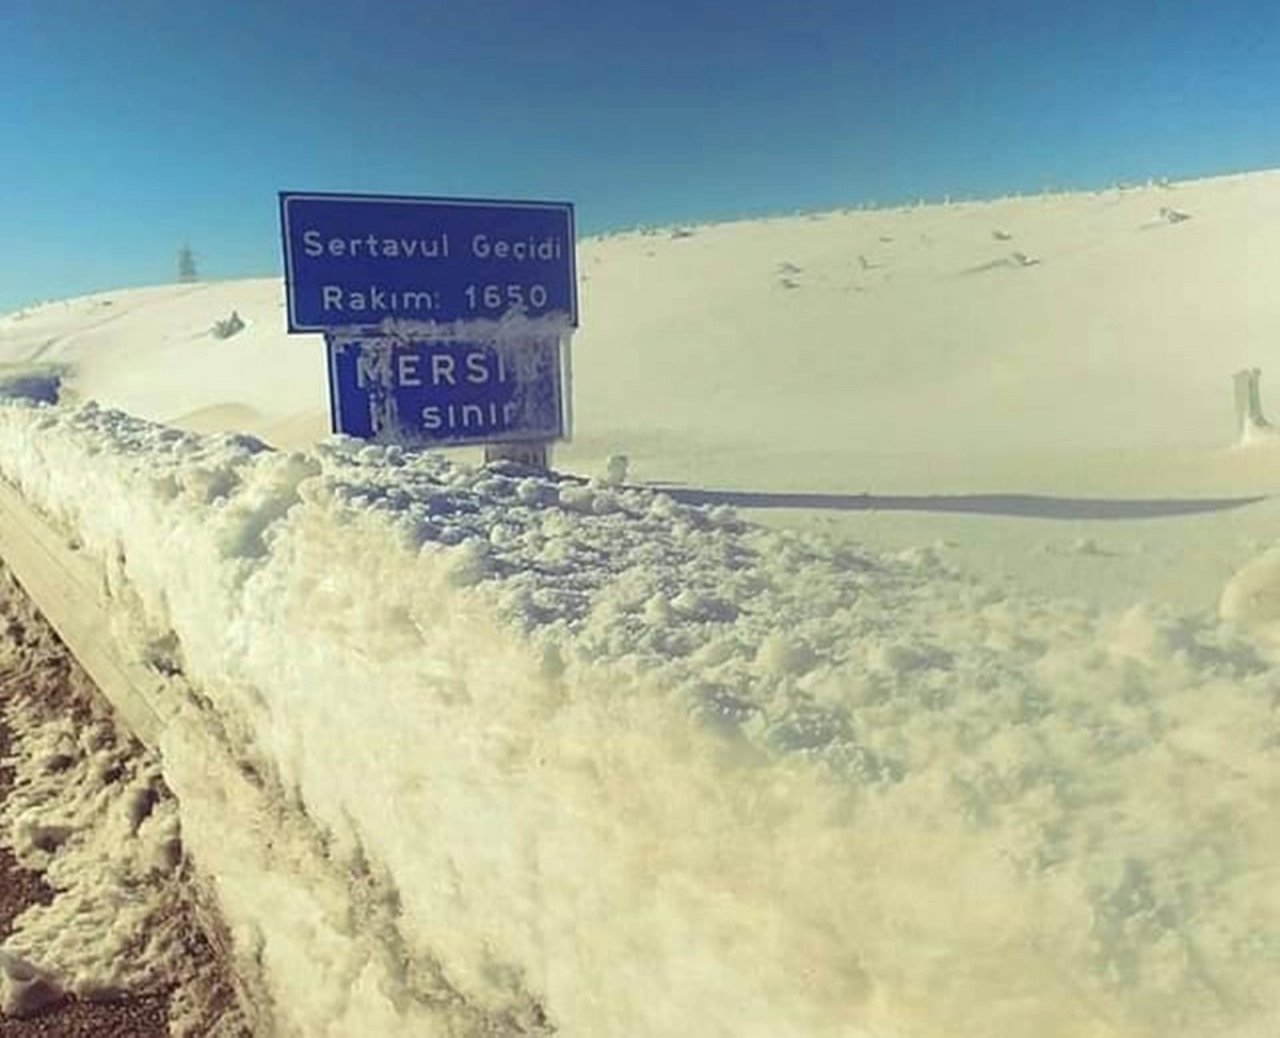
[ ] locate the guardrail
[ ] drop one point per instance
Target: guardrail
(69, 591)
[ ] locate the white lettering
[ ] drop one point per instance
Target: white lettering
(315, 245)
(371, 368)
(442, 369)
(407, 369)
(376, 298)
(477, 369)
(521, 249)
(456, 418)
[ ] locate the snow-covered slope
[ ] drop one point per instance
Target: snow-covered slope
(892, 350)
(1075, 345)
(153, 352)
(471, 751)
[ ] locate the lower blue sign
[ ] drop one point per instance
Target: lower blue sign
(423, 393)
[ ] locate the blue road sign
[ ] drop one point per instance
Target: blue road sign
(430, 393)
(354, 261)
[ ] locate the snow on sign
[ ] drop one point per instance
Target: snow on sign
(442, 392)
(355, 261)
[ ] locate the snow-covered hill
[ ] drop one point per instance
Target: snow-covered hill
(474, 751)
(911, 346)
(1074, 345)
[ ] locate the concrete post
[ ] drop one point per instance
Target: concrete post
(1249, 401)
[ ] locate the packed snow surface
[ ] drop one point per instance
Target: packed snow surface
(470, 749)
(473, 751)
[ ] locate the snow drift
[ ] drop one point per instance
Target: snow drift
(469, 751)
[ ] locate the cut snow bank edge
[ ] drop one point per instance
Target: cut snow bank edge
(471, 752)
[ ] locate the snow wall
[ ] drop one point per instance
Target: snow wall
(468, 752)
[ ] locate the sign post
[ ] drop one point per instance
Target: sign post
(446, 321)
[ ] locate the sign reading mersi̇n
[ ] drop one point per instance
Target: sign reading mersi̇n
(355, 261)
(444, 392)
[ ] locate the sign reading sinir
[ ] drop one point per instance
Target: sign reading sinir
(423, 393)
(354, 261)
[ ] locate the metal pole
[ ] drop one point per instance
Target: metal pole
(535, 455)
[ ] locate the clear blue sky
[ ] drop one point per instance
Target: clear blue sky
(130, 127)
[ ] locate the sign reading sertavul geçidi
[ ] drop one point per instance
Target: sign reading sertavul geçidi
(355, 261)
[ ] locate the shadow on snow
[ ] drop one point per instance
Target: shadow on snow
(1032, 506)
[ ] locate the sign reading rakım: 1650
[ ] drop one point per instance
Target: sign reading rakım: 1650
(355, 261)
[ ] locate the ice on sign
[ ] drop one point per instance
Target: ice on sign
(356, 261)
(446, 392)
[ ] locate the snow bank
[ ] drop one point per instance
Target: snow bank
(89, 815)
(474, 752)
(25, 989)
(88, 810)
